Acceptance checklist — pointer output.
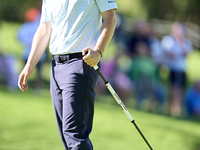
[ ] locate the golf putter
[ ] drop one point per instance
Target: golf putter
(121, 104)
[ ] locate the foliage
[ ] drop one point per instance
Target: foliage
(184, 10)
(132, 8)
(173, 10)
(13, 10)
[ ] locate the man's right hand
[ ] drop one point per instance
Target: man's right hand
(24, 76)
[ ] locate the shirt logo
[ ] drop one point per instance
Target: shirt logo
(111, 1)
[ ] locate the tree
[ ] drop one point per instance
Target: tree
(13, 10)
(173, 10)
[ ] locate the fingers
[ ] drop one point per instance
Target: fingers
(91, 62)
(21, 83)
(24, 76)
(91, 57)
(25, 86)
(85, 51)
(86, 54)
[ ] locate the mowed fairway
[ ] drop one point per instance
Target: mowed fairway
(27, 122)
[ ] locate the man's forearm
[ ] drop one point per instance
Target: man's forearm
(39, 44)
(107, 30)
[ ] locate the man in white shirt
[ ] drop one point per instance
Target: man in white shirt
(77, 40)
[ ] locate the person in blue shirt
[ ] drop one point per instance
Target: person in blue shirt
(25, 36)
(193, 100)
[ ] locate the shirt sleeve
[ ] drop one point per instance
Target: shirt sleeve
(189, 46)
(105, 5)
(44, 16)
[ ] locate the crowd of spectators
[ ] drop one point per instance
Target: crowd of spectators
(142, 80)
(139, 76)
(24, 35)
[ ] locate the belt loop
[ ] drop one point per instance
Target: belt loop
(68, 57)
(59, 59)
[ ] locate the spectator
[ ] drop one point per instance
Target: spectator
(118, 79)
(8, 74)
(176, 47)
(25, 36)
(3, 70)
(155, 47)
(140, 34)
(193, 100)
(143, 73)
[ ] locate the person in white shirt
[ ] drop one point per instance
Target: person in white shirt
(176, 47)
(77, 39)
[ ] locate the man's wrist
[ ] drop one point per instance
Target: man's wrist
(29, 65)
(99, 52)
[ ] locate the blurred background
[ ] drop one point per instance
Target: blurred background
(153, 63)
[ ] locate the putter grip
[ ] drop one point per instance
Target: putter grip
(96, 67)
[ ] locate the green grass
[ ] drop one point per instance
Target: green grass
(27, 122)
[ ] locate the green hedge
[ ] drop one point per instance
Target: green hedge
(13, 10)
(174, 10)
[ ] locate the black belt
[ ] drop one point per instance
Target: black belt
(66, 57)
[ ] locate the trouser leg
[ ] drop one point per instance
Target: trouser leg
(56, 96)
(78, 111)
(74, 110)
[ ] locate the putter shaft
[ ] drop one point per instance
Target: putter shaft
(121, 104)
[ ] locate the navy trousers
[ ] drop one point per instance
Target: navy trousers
(72, 93)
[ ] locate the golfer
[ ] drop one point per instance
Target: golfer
(77, 39)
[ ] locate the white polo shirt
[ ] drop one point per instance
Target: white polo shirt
(76, 24)
(178, 62)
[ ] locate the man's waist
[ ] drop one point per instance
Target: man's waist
(66, 57)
